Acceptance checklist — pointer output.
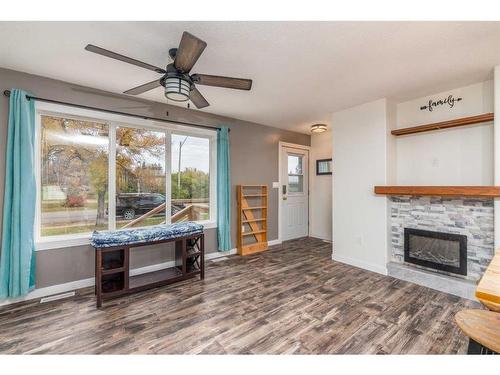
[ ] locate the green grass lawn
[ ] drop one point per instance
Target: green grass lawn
(52, 206)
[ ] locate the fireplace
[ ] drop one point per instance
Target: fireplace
(437, 250)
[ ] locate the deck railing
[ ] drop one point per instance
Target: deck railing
(194, 209)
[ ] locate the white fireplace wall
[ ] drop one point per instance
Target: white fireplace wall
(361, 160)
(459, 156)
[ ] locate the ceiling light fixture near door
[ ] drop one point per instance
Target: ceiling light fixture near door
(318, 128)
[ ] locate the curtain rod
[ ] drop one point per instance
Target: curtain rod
(7, 93)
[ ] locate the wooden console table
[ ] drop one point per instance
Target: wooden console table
(112, 273)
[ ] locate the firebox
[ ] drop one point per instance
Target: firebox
(437, 250)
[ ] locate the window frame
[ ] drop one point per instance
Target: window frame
(113, 121)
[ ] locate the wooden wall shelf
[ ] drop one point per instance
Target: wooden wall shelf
(456, 191)
(445, 124)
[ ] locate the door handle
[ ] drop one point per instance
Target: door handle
(284, 192)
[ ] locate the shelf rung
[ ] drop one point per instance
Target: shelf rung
(253, 220)
(112, 271)
(253, 232)
(253, 208)
(254, 195)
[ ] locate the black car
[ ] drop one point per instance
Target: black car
(129, 205)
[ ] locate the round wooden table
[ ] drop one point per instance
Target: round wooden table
(482, 326)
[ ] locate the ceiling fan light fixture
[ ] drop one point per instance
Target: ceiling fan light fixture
(318, 128)
(177, 89)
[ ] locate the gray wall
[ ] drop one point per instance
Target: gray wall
(254, 160)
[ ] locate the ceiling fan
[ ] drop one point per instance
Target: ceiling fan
(179, 85)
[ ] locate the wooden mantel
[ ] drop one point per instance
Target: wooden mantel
(456, 191)
(464, 121)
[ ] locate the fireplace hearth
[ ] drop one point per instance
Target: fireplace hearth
(436, 250)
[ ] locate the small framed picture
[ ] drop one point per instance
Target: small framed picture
(323, 166)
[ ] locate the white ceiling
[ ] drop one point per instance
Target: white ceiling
(301, 71)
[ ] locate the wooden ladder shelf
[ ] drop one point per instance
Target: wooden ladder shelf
(252, 219)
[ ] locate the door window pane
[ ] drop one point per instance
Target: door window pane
(140, 177)
(74, 176)
(295, 174)
(190, 178)
(294, 164)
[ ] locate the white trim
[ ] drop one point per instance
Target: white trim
(274, 242)
(360, 264)
(168, 177)
(60, 242)
(294, 145)
(51, 290)
(38, 183)
(112, 176)
(320, 237)
(219, 254)
(212, 194)
(280, 161)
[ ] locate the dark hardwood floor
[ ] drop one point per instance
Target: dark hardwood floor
(291, 299)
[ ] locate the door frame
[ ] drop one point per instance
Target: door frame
(280, 201)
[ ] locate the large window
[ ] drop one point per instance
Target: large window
(98, 171)
(190, 178)
(74, 175)
(140, 177)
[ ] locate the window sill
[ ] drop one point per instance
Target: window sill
(61, 242)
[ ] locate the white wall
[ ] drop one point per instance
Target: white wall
(460, 156)
(320, 212)
(496, 155)
(360, 154)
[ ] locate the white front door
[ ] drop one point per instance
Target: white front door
(294, 193)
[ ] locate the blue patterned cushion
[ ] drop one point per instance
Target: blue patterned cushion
(143, 235)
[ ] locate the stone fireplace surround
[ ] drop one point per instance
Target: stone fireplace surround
(472, 217)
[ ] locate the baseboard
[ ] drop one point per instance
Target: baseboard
(360, 264)
(219, 254)
(84, 283)
(79, 284)
(51, 290)
(324, 238)
(274, 242)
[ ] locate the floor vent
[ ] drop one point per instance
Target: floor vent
(219, 259)
(57, 296)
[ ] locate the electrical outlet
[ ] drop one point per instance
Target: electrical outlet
(359, 240)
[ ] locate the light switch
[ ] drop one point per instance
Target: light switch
(276, 185)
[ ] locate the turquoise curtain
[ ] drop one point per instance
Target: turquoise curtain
(17, 259)
(223, 191)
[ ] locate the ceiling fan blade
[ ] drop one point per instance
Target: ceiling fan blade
(117, 56)
(197, 99)
(143, 88)
(190, 49)
(219, 81)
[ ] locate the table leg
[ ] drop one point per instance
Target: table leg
(98, 277)
(202, 257)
